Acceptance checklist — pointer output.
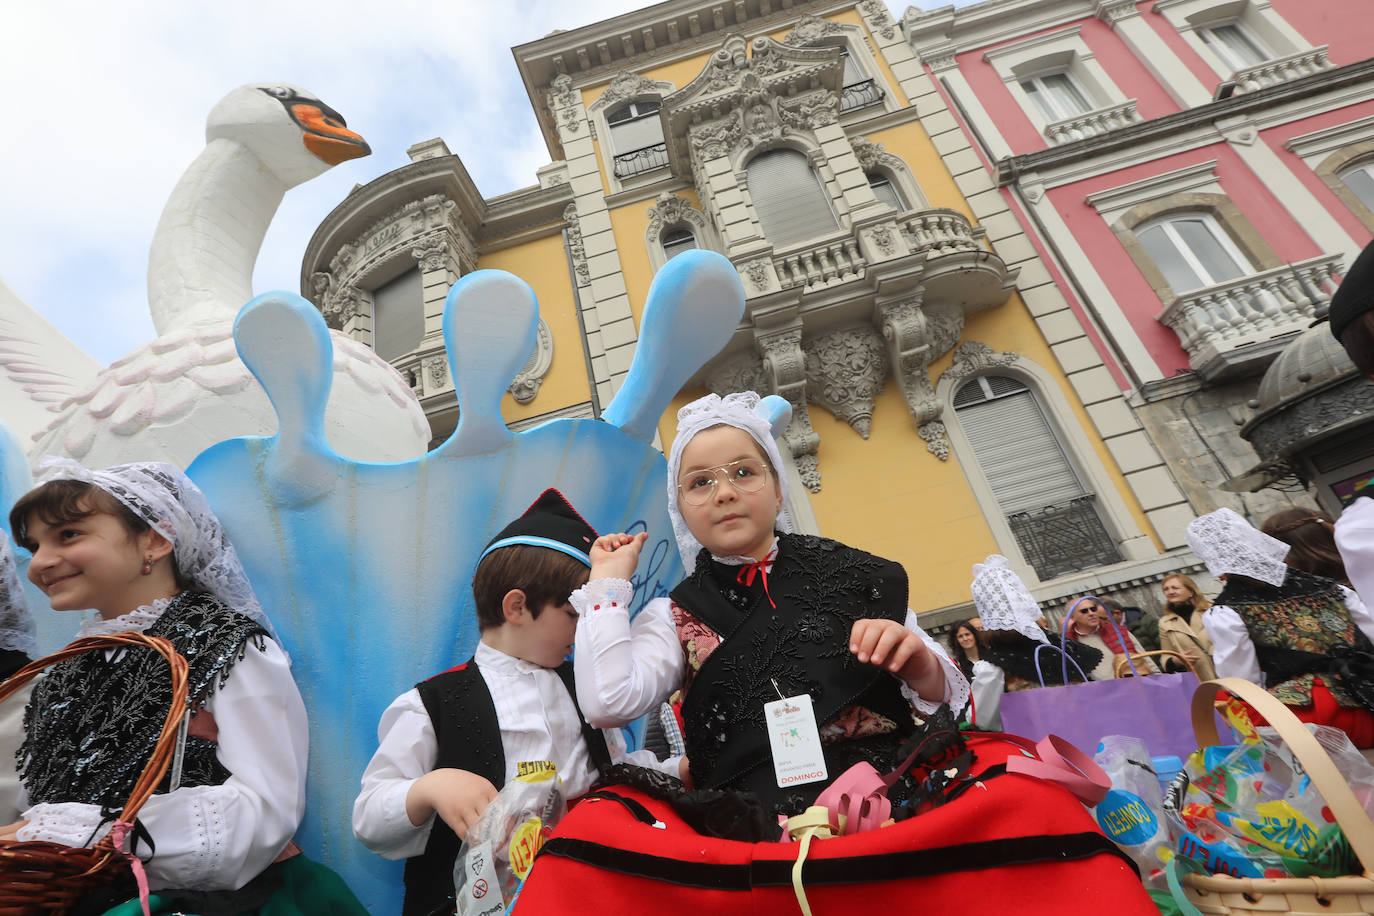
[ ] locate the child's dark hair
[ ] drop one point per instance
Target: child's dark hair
(545, 576)
(1311, 539)
(65, 502)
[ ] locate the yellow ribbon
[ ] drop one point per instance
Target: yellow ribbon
(814, 822)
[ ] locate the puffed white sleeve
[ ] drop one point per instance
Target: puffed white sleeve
(1355, 541)
(956, 692)
(1233, 654)
(407, 749)
(219, 837)
(623, 669)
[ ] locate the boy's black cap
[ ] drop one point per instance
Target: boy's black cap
(550, 522)
(1355, 295)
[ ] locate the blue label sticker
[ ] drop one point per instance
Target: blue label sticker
(1126, 818)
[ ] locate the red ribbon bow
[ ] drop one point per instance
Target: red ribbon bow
(747, 574)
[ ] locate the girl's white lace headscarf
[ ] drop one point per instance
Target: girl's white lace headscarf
(1002, 599)
(740, 410)
(1227, 543)
(172, 505)
(16, 623)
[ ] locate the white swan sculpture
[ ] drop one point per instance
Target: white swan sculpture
(174, 396)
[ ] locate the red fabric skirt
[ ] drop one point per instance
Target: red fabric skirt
(1009, 844)
(1358, 722)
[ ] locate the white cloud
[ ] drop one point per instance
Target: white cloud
(105, 105)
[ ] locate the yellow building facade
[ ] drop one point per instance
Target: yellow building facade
(948, 402)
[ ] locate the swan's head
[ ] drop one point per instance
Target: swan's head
(294, 134)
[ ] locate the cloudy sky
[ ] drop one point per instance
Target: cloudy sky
(103, 106)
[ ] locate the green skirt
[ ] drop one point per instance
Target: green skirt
(295, 886)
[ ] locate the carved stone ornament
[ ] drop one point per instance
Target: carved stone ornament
(715, 138)
(436, 367)
(564, 103)
(761, 125)
(884, 238)
(341, 305)
(321, 285)
(416, 224)
(973, 357)
(1113, 11)
(739, 373)
(877, 17)
(757, 272)
(627, 85)
(432, 255)
(916, 336)
(784, 364)
(933, 433)
(811, 28)
(528, 380)
(867, 152)
(844, 374)
(575, 247)
(810, 110)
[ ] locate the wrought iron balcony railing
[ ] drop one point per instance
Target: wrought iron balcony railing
(1064, 537)
(638, 161)
(860, 95)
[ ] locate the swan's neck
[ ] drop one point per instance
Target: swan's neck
(200, 267)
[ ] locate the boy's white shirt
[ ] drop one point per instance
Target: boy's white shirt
(625, 668)
(538, 721)
(214, 837)
(1233, 653)
(1355, 540)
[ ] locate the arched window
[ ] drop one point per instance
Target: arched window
(1360, 180)
(676, 241)
(1192, 251)
(1051, 514)
(885, 190)
(789, 200)
(398, 315)
(859, 90)
(637, 138)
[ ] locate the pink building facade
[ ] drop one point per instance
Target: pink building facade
(1196, 174)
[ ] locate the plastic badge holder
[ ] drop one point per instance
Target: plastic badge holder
(500, 848)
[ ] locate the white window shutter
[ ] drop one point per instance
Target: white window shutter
(788, 198)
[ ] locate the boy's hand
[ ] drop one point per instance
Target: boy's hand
(888, 644)
(615, 556)
(457, 796)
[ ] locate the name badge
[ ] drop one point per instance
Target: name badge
(795, 740)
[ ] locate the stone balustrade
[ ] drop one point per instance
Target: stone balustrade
(1281, 70)
(1093, 123)
(1215, 322)
(828, 261)
(940, 231)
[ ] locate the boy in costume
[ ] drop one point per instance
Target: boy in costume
(450, 744)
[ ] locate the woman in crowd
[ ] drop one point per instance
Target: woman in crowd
(1180, 625)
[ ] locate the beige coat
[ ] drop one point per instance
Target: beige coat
(1177, 635)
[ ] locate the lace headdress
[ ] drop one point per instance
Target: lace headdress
(172, 505)
(1002, 599)
(740, 410)
(16, 623)
(1227, 543)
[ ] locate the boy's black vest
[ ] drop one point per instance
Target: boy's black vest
(820, 587)
(469, 737)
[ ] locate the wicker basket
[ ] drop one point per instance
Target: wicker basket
(1224, 896)
(46, 878)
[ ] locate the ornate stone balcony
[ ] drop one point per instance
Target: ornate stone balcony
(1239, 326)
(941, 231)
(831, 260)
(1093, 124)
(1281, 70)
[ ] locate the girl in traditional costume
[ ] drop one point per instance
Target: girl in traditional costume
(139, 544)
(761, 617)
(1304, 638)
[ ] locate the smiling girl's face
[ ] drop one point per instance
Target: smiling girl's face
(732, 521)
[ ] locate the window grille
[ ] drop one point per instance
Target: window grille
(637, 138)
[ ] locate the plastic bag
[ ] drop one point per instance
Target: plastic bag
(1131, 814)
(499, 849)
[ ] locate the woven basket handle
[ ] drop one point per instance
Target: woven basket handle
(1158, 653)
(157, 764)
(1330, 783)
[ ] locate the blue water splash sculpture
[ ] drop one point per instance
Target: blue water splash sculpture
(366, 568)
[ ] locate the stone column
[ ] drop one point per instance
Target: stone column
(1151, 50)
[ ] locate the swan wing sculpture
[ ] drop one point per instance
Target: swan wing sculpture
(174, 396)
(39, 367)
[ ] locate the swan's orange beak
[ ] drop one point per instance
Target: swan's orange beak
(326, 135)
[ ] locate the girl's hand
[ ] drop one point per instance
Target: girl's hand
(10, 831)
(615, 556)
(887, 644)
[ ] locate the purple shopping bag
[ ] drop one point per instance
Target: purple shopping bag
(1157, 709)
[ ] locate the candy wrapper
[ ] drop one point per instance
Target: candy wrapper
(499, 849)
(1131, 814)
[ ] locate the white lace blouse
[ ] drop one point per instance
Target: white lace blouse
(213, 837)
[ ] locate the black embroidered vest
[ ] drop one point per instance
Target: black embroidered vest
(820, 587)
(1301, 629)
(469, 737)
(92, 721)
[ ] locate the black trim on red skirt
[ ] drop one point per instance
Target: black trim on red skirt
(888, 866)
